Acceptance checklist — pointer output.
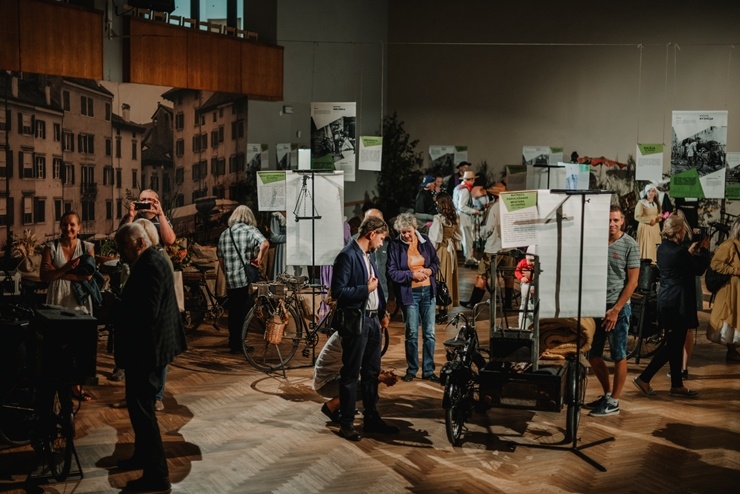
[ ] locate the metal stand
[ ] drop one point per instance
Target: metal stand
(548, 166)
(575, 448)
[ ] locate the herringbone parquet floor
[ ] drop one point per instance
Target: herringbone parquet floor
(231, 429)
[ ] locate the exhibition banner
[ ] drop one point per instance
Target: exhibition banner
(444, 158)
(271, 190)
(371, 153)
(732, 182)
(649, 162)
(314, 205)
(577, 175)
(542, 160)
(257, 158)
(698, 154)
(287, 156)
(333, 137)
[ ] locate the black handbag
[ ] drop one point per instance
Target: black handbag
(348, 322)
(443, 292)
(715, 280)
(253, 274)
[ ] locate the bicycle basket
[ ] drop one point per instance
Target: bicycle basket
(275, 325)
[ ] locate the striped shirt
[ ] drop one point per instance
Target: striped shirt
(624, 254)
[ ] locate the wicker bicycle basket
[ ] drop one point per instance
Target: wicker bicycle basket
(275, 325)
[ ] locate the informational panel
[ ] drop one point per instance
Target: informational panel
(558, 230)
(577, 175)
(542, 167)
(698, 154)
(257, 158)
(516, 177)
(315, 226)
(371, 153)
(445, 158)
(287, 156)
(333, 137)
(271, 190)
(649, 162)
(732, 182)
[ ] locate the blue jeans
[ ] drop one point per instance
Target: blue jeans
(617, 336)
(423, 308)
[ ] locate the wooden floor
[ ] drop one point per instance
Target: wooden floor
(228, 428)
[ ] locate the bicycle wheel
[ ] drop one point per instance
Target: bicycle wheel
(60, 442)
(17, 413)
(195, 307)
(262, 355)
(456, 411)
(576, 381)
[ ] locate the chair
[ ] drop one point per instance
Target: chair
(189, 22)
(252, 35)
(241, 33)
(202, 25)
(159, 16)
(144, 13)
(175, 19)
(229, 31)
(214, 27)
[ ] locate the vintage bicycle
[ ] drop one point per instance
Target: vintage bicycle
(201, 304)
(281, 306)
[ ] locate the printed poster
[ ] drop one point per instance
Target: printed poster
(287, 156)
(577, 175)
(732, 182)
(271, 190)
(333, 137)
(649, 162)
(518, 213)
(698, 154)
(543, 160)
(444, 158)
(516, 177)
(371, 153)
(314, 205)
(257, 158)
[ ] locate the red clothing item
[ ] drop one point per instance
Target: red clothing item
(524, 269)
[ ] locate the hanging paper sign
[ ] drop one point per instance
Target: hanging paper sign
(649, 162)
(333, 137)
(257, 158)
(371, 153)
(271, 190)
(287, 156)
(698, 154)
(518, 212)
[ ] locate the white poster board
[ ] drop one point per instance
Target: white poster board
(559, 248)
(314, 203)
(649, 162)
(371, 153)
(271, 190)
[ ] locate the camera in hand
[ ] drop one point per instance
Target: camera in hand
(142, 205)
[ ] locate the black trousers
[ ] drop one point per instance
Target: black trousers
(239, 305)
(671, 352)
(141, 388)
(360, 357)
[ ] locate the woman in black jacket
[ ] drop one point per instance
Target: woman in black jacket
(678, 266)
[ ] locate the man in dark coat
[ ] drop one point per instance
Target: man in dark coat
(356, 289)
(149, 334)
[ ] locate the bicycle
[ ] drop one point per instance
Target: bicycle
(36, 407)
(283, 301)
(200, 302)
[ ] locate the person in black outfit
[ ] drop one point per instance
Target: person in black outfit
(676, 302)
(149, 334)
(355, 286)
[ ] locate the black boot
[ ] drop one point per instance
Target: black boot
(475, 297)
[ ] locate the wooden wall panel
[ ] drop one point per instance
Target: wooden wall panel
(214, 62)
(10, 58)
(262, 71)
(156, 54)
(60, 39)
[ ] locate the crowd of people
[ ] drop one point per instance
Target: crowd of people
(406, 262)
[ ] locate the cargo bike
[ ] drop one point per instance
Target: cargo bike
(509, 373)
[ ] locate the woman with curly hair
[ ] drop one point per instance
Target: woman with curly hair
(445, 233)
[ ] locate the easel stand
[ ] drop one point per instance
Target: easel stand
(574, 447)
(309, 174)
(549, 167)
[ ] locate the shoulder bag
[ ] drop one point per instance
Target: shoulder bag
(715, 280)
(253, 274)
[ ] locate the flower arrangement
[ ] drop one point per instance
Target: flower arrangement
(178, 254)
(26, 246)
